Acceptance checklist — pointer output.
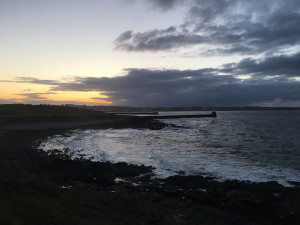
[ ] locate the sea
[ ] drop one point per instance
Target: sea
(256, 146)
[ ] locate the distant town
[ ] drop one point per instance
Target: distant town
(190, 108)
(124, 109)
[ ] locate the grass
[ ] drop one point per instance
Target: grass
(19, 113)
(44, 110)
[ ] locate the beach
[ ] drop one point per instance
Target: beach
(41, 188)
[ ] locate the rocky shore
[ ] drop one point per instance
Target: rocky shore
(37, 188)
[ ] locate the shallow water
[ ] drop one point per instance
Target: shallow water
(254, 145)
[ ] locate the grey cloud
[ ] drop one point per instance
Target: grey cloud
(144, 87)
(159, 4)
(141, 87)
(124, 36)
(6, 81)
(98, 98)
(164, 4)
(7, 101)
(225, 27)
(205, 11)
(283, 65)
(35, 96)
(35, 81)
(157, 40)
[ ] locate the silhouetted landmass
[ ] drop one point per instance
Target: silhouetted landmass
(190, 108)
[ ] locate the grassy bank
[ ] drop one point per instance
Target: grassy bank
(18, 113)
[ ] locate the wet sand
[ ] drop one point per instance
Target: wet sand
(37, 188)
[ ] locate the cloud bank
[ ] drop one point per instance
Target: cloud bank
(223, 27)
(141, 87)
(272, 81)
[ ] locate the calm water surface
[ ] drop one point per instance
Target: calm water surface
(254, 145)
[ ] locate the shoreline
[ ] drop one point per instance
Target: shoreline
(83, 144)
(174, 200)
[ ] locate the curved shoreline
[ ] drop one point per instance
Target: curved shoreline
(174, 200)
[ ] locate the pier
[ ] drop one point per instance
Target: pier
(213, 114)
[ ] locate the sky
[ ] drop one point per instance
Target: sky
(150, 52)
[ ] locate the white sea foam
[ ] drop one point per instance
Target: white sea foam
(236, 147)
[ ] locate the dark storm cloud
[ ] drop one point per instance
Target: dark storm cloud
(226, 26)
(141, 87)
(272, 80)
(283, 65)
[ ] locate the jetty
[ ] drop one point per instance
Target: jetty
(134, 113)
(213, 114)
(155, 115)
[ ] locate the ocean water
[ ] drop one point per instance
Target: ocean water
(253, 145)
